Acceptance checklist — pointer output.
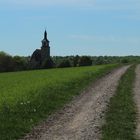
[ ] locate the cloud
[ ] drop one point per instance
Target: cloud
(110, 5)
(131, 17)
(101, 5)
(107, 39)
(126, 9)
(49, 2)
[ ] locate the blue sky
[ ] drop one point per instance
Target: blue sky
(83, 27)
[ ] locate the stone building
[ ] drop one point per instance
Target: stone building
(39, 56)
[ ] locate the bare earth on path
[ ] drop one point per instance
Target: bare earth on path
(82, 119)
(137, 98)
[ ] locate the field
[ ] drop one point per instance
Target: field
(28, 97)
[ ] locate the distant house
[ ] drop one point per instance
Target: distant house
(40, 56)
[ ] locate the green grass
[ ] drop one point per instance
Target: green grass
(121, 115)
(28, 97)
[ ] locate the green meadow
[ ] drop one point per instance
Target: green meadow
(26, 98)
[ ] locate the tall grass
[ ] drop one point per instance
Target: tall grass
(28, 97)
(121, 115)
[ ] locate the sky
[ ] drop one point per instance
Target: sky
(74, 27)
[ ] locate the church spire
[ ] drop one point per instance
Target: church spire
(45, 41)
(45, 35)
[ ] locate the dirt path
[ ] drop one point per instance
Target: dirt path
(83, 117)
(137, 98)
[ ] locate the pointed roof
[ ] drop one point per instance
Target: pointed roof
(45, 37)
(45, 34)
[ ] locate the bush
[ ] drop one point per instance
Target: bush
(124, 61)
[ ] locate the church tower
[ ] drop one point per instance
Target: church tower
(40, 56)
(45, 48)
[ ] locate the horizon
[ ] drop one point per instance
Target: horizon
(76, 55)
(76, 27)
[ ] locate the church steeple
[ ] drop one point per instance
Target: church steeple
(45, 41)
(45, 35)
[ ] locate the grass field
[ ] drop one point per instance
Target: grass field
(121, 115)
(28, 97)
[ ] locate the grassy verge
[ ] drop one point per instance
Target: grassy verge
(28, 97)
(121, 115)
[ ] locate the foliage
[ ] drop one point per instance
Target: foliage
(28, 97)
(124, 60)
(64, 63)
(85, 61)
(9, 63)
(75, 61)
(6, 62)
(121, 115)
(18, 63)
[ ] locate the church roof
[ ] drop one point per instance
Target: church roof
(45, 37)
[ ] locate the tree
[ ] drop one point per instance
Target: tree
(85, 61)
(20, 63)
(76, 60)
(124, 60)
(6, 62)
(64, 63)
(100, 60)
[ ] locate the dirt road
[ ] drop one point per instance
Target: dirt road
(83, 117)
(137, 98)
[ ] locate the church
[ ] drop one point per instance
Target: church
(40, 56)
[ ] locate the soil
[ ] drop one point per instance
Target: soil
(83, 118)
(137, 99)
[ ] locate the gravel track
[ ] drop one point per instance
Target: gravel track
(137, 98)
(82, 119)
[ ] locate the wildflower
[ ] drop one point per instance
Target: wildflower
(28, 102)
(31, 120)
(34, 110)
(21, 103)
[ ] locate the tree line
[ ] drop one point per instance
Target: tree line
(10, 63)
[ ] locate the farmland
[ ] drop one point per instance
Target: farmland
(28, 97)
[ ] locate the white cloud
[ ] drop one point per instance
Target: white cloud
(110, 5)
(104, 5)
(49, 2)
(107, 39)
